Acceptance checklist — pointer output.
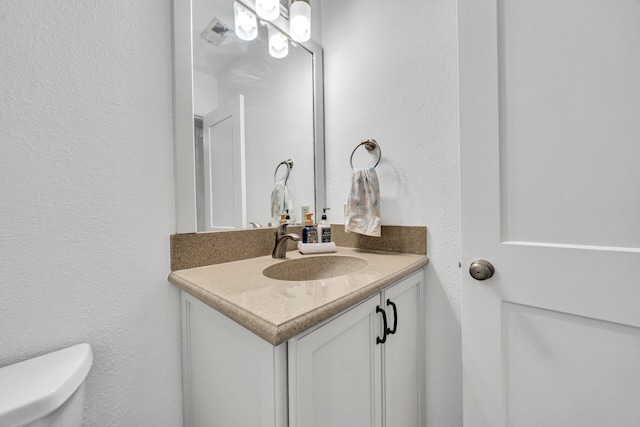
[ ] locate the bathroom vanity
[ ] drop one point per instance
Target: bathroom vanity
(328, 351)
(323, 340)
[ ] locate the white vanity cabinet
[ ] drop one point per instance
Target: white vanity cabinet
(334, 374)
(341, 374)
(230, 376)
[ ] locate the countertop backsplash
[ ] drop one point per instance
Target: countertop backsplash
(209, 248)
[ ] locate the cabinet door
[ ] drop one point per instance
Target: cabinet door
(402, 356)
(334, 372)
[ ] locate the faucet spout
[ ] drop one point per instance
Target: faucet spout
(282, 237)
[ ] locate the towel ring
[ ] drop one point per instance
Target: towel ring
(289, 164)
(370, 144)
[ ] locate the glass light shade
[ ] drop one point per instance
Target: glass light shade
(268, 9)
(245, 22)
(300, 20)
(278, 43)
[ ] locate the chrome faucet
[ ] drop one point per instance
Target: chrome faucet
(280, 249)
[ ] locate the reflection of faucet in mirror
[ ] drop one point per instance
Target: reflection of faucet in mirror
(281, 200)
(282, 238)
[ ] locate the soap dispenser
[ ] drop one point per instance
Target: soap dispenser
(324, 228)
(309, 232)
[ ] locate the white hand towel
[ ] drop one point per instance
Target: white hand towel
(363, 206)
(280, 201)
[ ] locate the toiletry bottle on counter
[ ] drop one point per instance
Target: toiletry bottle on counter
(324, 228)
(283, 218)
(309, 232)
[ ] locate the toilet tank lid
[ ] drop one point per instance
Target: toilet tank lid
(36, 387)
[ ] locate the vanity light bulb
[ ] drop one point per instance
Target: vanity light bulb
(300, 20)
(245, 22)
(268, 9)
(278, 43)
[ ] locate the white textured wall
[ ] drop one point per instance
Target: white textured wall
(86, 198)
(391, 74)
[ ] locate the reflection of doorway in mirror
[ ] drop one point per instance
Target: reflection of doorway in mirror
(225, 201)
(198, 149)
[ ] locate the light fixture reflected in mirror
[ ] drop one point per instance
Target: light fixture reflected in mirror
(245, 22)
(278, 43)
(268, 9)
(300, 20)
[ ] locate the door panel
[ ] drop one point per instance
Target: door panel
(549, 101)
(224, 167)
(553, 357)
(570, 103)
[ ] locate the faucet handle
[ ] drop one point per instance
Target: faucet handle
(281, 230)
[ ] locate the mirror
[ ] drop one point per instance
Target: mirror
(266, 111)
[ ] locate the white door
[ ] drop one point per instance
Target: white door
(550, 148)
(224, 167)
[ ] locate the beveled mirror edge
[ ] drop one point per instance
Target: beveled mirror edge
(184, 151)
(318, 127)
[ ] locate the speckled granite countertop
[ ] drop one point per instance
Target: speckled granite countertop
(277, 310)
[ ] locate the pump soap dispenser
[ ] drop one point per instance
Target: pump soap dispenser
(324, 228)
(309, 232)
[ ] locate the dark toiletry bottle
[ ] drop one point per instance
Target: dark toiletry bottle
(309, 232)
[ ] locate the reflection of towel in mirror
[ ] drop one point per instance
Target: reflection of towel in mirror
(280, 201)
(363, 206)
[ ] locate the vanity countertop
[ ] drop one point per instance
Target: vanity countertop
(277, 310)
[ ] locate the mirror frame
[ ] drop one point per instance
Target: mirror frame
(183, 111)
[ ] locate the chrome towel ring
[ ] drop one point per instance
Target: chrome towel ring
(370, 144)
(289, 164)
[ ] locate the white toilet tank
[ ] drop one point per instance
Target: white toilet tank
(46, 391)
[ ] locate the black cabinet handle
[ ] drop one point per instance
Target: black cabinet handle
(395, 317)
(384, 327)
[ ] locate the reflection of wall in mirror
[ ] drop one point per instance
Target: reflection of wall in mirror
(205, 93)
(276, 126)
